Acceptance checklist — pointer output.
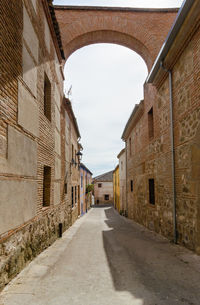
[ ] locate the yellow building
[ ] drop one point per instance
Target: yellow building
(116, 188)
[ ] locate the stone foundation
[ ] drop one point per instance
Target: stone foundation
(25, 244)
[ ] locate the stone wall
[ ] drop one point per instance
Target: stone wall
(150, 158)
(29, 140)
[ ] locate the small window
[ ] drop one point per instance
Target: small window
(72, 196)
(131, 185)
(106, 197)
(47, 97)
(46, 186)
(99, 184)
(81, 181)
(151, 191)
(75, 194)
(72, 151)
(65, 187)
(121, 165)
(150, 123)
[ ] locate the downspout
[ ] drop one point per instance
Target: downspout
(172, 152)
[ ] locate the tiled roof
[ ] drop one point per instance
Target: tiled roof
(107, 177)
(85, 168)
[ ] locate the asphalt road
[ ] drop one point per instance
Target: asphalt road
(105, 259)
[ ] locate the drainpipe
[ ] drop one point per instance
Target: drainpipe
(172, 152)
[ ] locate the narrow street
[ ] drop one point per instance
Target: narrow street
(104, 259)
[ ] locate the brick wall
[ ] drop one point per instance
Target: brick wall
(143, 31)
(151, 157)
(29, 140)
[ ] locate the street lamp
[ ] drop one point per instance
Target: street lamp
(79, 155)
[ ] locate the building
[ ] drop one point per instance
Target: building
(86, 188)
(72, 147)
(103, 188)
(162, 138)
(116, 189)
(122, 180)
(38, 136)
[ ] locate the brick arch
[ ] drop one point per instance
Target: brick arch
(142, 30)
(109, 37)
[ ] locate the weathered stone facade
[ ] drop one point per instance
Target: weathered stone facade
(33, 145)
(103, 188)
(148, 144)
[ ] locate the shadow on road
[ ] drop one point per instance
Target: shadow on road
(147, 266)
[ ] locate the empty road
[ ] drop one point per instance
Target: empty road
(105, 259)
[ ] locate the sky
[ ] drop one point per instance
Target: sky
(107, 81)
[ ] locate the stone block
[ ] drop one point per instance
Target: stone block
(29, 71)
(57, 118)
(47, 35)
(22, 154)
(57, 97)
(57, 168)
(3, 146)
(29, 34)
(57, 142)
(56, 193)
(17, 203)
(28, 113)
(34, 2)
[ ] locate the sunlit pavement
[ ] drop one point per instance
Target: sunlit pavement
(104, 259)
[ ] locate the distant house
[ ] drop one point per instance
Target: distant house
(103, 188)
(85, 190)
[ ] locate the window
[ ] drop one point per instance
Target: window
(121, 165)
(75, 194)
(72, 196)
(97, 201)
(65, 188)
(99, 184)
(106, 197)
(47, 97)
(46, 186)
(151, 191)
(131, 185)
(81, 180)
(150, 123)
(129, 146)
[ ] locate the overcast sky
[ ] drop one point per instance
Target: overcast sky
(107, 80)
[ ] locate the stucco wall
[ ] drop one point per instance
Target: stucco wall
(100, 192)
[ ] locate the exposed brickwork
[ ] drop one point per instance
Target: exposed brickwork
(140, 30)
(19, 50)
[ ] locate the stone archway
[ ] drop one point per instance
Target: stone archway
(142, 30)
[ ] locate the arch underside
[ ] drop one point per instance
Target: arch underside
(108, 36)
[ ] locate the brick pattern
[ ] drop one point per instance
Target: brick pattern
(22, 243)
(142, 31)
